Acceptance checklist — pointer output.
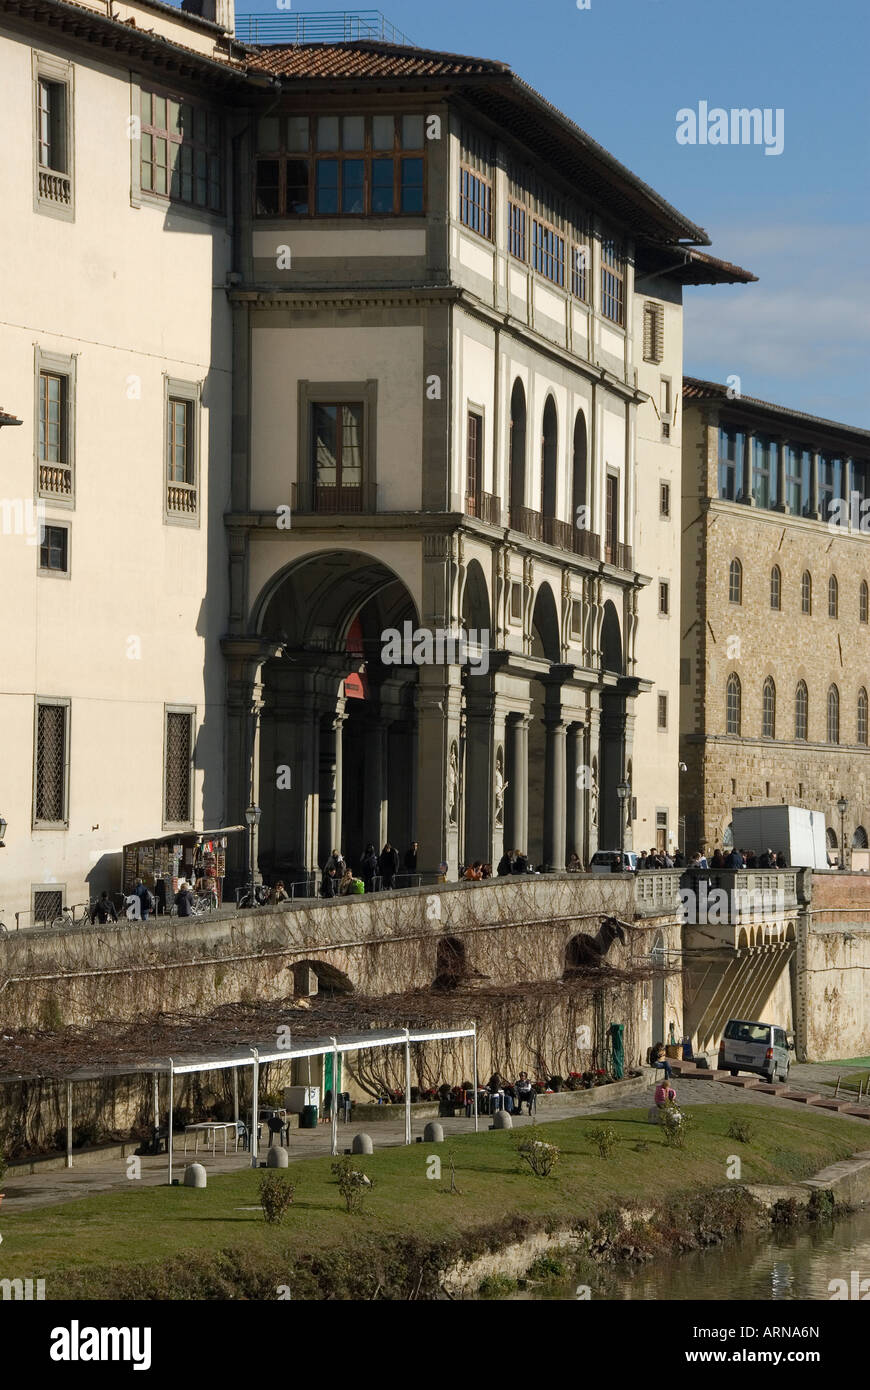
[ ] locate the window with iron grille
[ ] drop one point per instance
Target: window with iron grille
(51, 763)
(181, 154)
(475, 203)
(548, 252)
(47, 904)
(862, 716)
(663, 711)
(863, 602)
(664, 597)
(178, 779)
(664, 499)
(653, 332)
(612, 282)
(54, 550)
(517, 231)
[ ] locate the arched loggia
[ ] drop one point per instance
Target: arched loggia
(517, 475)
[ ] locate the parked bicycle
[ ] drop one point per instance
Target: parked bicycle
(77, 916)
(203, 904)
(261, 895)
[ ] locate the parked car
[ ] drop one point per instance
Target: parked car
(762, 1048)
(606, 861)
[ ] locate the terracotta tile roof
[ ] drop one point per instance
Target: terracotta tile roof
(8, 419)
(368, 59)
(696, 389)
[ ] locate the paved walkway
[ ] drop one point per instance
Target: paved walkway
(111, 1174)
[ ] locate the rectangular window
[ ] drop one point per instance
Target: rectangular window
(517, 231)
(337, 452)
(831, 480)
(182, 450)
(54, 550)
(764, 470)
(860, 481)
(340, 166)
(798, 466)
(548, 252)
(731, 445)
(685, 670)
(612, 282)
(51, 763)
(178, 767)
(664, 499)
(579, 269)
(611, 519)
(664, 597)
(516, 602)
(653, 332)
(53, 142)
(181, 151)
(663, 712)
(55, 393)
(661, 831)
(474, 463)
(475, 203)
(576, 618)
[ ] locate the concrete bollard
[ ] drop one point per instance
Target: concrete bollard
(433, 1133)
(502, 1120)
(277, 1157)
(362, 1144)
(194, 1175)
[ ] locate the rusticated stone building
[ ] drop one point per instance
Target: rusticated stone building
(775, 607)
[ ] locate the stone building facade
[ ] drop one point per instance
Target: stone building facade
(776, 567)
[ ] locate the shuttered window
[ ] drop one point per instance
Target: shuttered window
(653, 332)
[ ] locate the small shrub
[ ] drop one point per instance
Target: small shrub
(741, 1130)
(675, 1126)
(604, 1139)
(276, 1195)
(547, 1268)
(784, 1212)
(353, 1184)
(541, 1158)
(496, 1286)
(821, 1206)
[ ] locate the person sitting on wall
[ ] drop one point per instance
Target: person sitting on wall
(473, 872)
(525, 1093)
(346, 884)
(506, 863)
(279, 893)
(574, 864)
(520, 864)
(660, 1060)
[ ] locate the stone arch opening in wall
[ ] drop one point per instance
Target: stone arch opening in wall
(859, 838)
(475, 599)
(611, 640)
(789, 931)
(546, 641)
(546, 646)
(832, 845)
(581, 508)
(612, 735)
(742, 937)
(319, 977)
(451, 965)
(517, 452)
(549, 466)
(476, 799)
(338, 724)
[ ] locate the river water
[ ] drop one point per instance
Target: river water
(797, 1263)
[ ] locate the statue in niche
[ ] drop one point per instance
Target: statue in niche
(501, 787)
(452, 784)
(593, 796)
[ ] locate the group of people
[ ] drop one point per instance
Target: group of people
(739, 859)
(513, 861)
(660, 859)
(339, 879)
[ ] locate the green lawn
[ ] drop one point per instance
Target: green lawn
(849, 1062)
(90, 1245)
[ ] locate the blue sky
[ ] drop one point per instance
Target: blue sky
(800, 220)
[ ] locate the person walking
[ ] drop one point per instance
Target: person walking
(104, 910)
(410, 860)
(184, 899)
(388, 863)
(368, 868)
(146, 901)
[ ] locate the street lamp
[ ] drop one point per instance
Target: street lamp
(252, 816)
(842, 807)
(623, 790)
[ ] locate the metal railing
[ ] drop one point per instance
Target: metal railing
(528, 521)
(328, 26)
(618, 555)
(558, 533)
(586, 543)
(311, 500)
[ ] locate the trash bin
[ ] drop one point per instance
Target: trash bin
(308, 1118)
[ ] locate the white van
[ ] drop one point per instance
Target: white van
(762, 1048)
(606, 861)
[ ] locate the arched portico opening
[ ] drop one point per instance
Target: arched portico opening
(337, 755)
(517, 477)
(612, 740)
(546, 764)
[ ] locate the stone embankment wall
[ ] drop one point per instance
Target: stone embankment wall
(832, 969)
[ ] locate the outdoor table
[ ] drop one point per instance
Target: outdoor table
(211, 1126)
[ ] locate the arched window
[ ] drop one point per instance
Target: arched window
(806, 592)
(732, 704)
(831, 844)
(863, 602)
(549, 456)
(517, 473)
(735, 582)
(833, 715)
(776, 588)
(581, 511)
(833, 596)
(862, 716)
(801, 710)
(859, 839)
(768, 709)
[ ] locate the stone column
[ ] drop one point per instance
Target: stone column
(439, 699)
(329, 812)
(577, 783)
(814, 484)
(516, 827)
(244, 658)
(375, 804)
(781, 502)
(554, 784)
(746, 486)
(479, 772)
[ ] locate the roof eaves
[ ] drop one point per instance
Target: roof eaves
(696, 388)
